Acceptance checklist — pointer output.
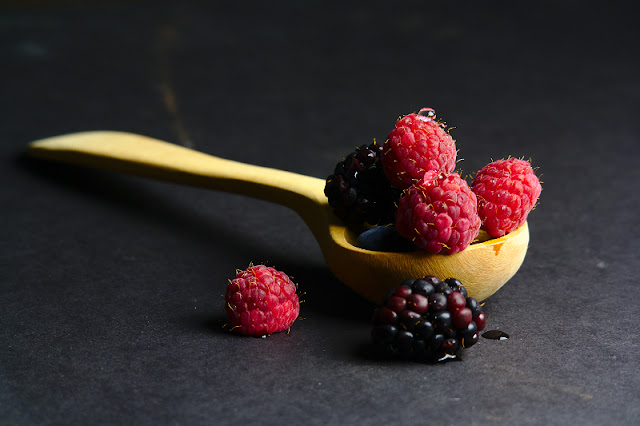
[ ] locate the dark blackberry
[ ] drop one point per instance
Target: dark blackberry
(434, 281)
(427, 320)
(422, 286)
(359, 191)
(456, 285)
(450, 344)
(443, 323)
(462, 318)
(409, 319)
(481, 321)
(424, 329)
(474, 306)
(455, 301)
(434, 349)
(469, 336)
(437, 302)
(404, 342)
(384, 333)
(443, 288)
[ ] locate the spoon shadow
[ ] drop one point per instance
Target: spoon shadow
(139, 200)
(322, 294)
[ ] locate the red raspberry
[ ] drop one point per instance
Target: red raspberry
(507, 190)
(439, 214)
(417, 145)
(260, 301)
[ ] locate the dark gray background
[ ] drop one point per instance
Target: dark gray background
(111, 286)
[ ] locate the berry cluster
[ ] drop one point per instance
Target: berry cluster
(436, 209)
(358, 190)
(427, 320)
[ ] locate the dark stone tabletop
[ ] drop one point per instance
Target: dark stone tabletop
(111, 285)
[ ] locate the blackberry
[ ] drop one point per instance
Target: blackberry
(427, 320)
(359, 191)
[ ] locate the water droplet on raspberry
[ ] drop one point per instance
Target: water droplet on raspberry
(427, 114)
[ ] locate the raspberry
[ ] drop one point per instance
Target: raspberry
(260, 301)
(427, 320)
(507, 191)
(439, 214)
(417, 145)
(358, 190)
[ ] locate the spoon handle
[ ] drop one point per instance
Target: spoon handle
(143, 156)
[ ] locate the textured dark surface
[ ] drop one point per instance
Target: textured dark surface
(111, 286)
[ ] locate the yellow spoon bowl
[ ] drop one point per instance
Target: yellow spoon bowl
(483, 267)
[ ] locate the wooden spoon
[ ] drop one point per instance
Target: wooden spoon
(483, 267)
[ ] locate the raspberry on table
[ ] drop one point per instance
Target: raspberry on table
(260, 301)
(416, 145)
(439, 214)
(427, 320)
(358, 190)
(507, 191)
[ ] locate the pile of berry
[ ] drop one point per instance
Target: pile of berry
(427, 320)
(409, 182)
